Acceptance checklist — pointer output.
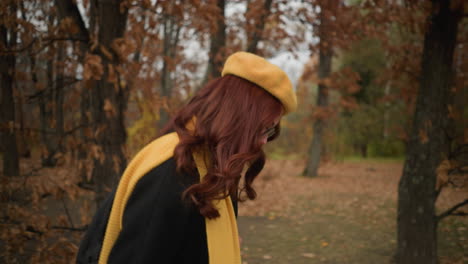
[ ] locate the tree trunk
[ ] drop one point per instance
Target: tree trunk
(218, 43)
(46, 115)
(363, 150)
(386, 115)
(417, 226)
(24, 149)
(109, 101)
(325, 59)
(171, 39)
(84, 135)
(315, 149)
(7, 115)
(59, 97)
(256, 35)
(69, 9)
(85, 131)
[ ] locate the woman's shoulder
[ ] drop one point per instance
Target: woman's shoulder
(165, 181)
(167, 173)
(150, 157)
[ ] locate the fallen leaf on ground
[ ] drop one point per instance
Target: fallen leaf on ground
(308, 255)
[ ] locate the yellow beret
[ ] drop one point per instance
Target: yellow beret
(263, 73)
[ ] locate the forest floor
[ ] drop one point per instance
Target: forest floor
(346, 215)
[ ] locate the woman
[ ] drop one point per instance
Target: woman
(177, 200)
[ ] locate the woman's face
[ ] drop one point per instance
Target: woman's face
(269, 131)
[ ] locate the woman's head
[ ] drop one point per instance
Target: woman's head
(232, 113)
(232, 118)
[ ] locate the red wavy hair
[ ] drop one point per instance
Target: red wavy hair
(231, 116)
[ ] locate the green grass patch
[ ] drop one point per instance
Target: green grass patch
(371, 159)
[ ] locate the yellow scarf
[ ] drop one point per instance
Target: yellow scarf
(222, 234)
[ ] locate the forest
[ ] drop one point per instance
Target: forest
(371, 168)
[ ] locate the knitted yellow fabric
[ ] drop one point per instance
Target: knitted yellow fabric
(266, 75)
(218, 229)
(222, 235)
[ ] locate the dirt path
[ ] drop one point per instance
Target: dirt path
(347, 215)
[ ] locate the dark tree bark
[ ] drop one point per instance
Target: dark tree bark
(59, 97)
(24, 149)
(46, 114)
(108, 102)
(315, 149)
(324, 69)
(68, 8)
(82, 151)
(218, 43)
(51, 102)
(7, 115)
(417, 225)
(85, 131)
(107, 98)
(363, 150)
(171, 29)
(256, 35)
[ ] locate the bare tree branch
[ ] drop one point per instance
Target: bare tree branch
(51, 132)
(47, 41)
(78, 229)
(67, 212)
(459, 150)
(451, 211)
(67, 81)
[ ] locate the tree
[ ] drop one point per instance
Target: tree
(50, 101)
(171, 31)
(108, 96)
(217, 44)
(328, 9)
(256, 17)
(109, 99)
(66, 10)
(8, 37)
(363, 128)
(417, 223)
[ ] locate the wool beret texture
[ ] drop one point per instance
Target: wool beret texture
(263, 73)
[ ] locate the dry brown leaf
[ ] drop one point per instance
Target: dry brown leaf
(106, 52)
(109, 107)
(309, 255)
(423, 136)
(111, 75)
(452, 113)
(92, 67)
(442, 174)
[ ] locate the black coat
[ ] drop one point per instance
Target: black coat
(158, 226)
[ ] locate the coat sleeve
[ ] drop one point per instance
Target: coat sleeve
(155, 219)
(91, 243)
